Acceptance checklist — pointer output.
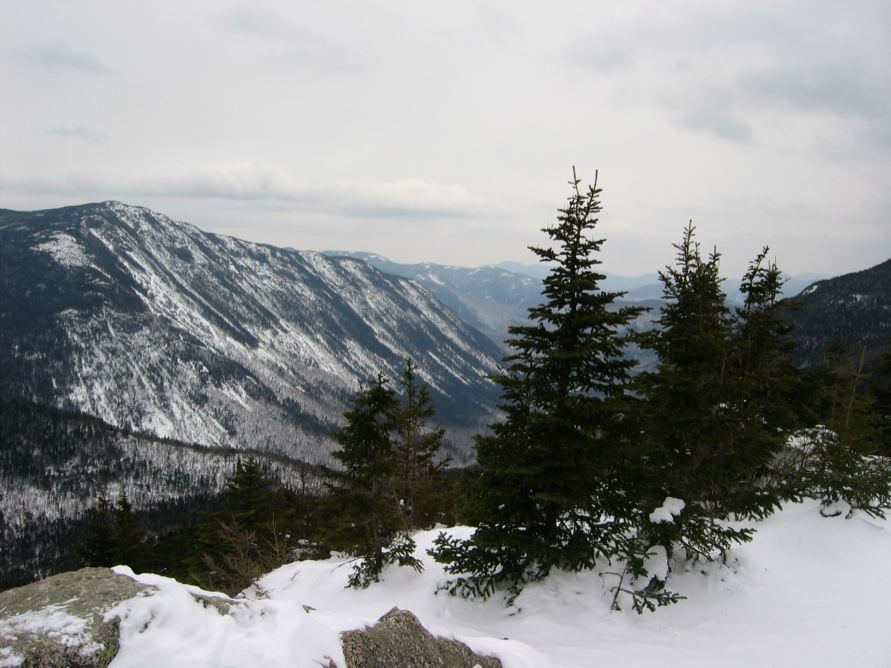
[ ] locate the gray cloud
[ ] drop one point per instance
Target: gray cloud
(267, 185)
(76, 132)
(296, 120)
(840, 89)
(61, 57)
(721, 122)
(290, 40)
(731, 69)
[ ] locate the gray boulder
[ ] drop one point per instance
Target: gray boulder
(399, 639)
(58, 622)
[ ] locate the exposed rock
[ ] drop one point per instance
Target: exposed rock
(63, 622)
(399, 639)
(58, 622)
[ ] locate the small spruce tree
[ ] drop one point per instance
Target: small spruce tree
(251, 536)
(367, 520)
(417, 480)
(837, 460)
(113, 535)
(881, 393)
(690, 420)
(761, 387)
(129, 535)
(98, 546)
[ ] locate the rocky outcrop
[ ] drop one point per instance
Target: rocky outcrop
(399, 639)
(69, 621)
(60, 622)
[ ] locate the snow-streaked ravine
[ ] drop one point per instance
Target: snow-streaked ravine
(808, 591)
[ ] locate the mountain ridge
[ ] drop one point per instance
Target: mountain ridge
(154, 325)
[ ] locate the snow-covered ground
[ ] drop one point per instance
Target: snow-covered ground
(808, 591)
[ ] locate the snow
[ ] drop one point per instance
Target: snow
(173, 628)
(54, 622)
(807, 592)
(65, 249)
(669, 509)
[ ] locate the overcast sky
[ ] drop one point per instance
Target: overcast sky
(446, 132)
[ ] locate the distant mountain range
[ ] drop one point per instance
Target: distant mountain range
(142, 355)
(492, 298)
(155, 326)
(648, 286)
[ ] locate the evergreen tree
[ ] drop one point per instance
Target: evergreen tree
(690, 418)
(252, 498)
(367, 520)
(129, 535)
(881, 393)
(253, 535)
(551, 491)
(837, 461)
(418, 483)
(762, 388)
(98, 544)
(113, 535)
(686, 395)
(721, 405)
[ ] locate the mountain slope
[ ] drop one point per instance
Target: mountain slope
(55, 464)
(155, 326)
(489, 298)
(854, 309)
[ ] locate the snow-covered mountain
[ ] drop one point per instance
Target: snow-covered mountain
(492, 297)
(489, 298)
(155, 326)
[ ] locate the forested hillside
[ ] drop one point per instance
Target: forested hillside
(853, 310)
(55, 465)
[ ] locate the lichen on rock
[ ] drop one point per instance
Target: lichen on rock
(60, 621)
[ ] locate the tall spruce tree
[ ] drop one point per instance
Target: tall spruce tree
(686, 394)
(550, 492)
